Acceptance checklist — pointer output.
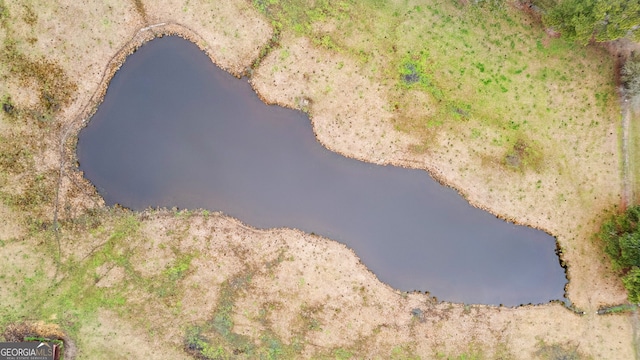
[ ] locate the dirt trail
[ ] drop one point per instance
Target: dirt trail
(628, 108)
(628, 198)
(635, 325)
(627, 176)
(622, 49)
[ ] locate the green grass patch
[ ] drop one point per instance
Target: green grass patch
(484, 61)
(415, 72)
(316, 20)
(301, 15)
(179, 269)
(342, 354)
(78, 291)
(72, 299)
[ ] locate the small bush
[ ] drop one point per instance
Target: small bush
(630, 76)
(621, 237)
(632, 284)
(414, 70)
(566, 351)
(524, 155)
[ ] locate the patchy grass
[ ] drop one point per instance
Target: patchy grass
(556, 351)
(486, 62)
(218, 291)
(69, 299)
(140, 9)
(524, 155)
(218, 338)
(473, 352)
(45, 76)
(55, 89)
(522, 123)
(15, 156)
(509, 81)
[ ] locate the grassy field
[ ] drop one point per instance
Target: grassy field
(522, 123)
(488, 71)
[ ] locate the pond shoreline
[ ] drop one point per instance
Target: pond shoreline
(308, 296)
(166, 29)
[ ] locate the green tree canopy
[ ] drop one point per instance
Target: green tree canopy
(602, 20)
(630, 76)
(621, 237)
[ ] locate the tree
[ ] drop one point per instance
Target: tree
(600, 20)
(630, 76)
(621, 237)
(632, 284)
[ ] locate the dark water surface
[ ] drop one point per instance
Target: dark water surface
(175, 130)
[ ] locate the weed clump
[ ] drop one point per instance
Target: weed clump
(410, 75)
(559, 352)
(140, 9)
(524, 155)
(14, 157)
(413, 71)
(7, 106)
(55, 88)
(4, 13)
(216, 339)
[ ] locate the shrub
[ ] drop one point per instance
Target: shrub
(630, 76)
(621, 237)
(632, 284)
(599, 20)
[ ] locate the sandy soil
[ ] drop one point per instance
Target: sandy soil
(351, 115)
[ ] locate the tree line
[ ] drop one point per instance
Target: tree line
(584, 21)
(620, 235)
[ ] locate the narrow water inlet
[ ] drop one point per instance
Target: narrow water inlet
(174, 130)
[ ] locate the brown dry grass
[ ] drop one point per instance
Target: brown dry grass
(303, 288)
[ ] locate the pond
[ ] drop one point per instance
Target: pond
(174, 130)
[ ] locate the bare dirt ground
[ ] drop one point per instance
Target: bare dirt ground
(301, 288)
